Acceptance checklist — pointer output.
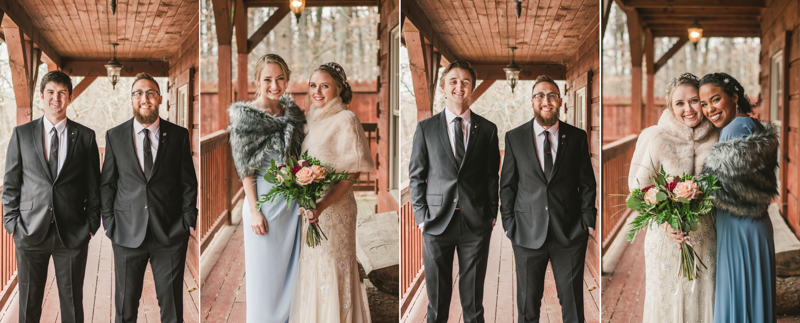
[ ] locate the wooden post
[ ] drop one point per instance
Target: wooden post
(240, 24)
(419, 72)
(635, 37)
(649, 49)
(222, 17)
(23, 62)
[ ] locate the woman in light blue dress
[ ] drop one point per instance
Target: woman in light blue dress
(267, 128)
(744, 162)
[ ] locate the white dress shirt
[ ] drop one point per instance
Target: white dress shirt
(451, 128)
(61, 129)
(138, 135)
(538, 133)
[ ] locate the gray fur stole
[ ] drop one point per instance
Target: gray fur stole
(254, 134)
(745, 168)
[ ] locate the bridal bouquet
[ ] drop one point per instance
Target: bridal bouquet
(303, 181)
(679, 201)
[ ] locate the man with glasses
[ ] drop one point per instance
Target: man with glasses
(51, 200)
(547, 194)
(149, 197)
(453, 180)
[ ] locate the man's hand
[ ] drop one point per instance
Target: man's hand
(421, 225)
(495, 221)
(191, 231)
(591, 231)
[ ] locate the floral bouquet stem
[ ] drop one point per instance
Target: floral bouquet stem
(689, 260)
(315, 234)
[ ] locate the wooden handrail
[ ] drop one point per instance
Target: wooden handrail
(616, 163)
(219, 185)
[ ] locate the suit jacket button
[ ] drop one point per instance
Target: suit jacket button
(50, 208)
(545, 208)
(455, 200)
(145, 206)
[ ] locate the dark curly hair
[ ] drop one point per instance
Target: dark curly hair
(730, 85)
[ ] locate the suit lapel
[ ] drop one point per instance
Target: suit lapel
(445, 137)
(163, 139)
(131, 147)
(38, 144)
(562, 144)
(475, 125)
(529, 138)
(72, 134)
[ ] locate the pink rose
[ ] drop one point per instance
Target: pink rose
(650, 197)
(687, 190)
(304, 176)
(319, 173)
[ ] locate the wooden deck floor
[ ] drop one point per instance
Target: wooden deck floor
(623, 289)
(499, 300)
(98, 292)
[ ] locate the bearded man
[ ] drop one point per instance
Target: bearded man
(148, 196)
(547, 194)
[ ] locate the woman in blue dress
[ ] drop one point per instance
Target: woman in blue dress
(744, 162)
(269, 127)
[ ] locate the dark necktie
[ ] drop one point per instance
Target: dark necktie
(548, 155)
(148, 154)
(459, 141)
(54, 153)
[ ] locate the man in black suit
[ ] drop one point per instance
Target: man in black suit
(149, 197)
(52, 201)
(453, 174)
(547, 193)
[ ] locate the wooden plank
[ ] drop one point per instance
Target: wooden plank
(167, 15)
(129, 68)
(649, 64)
(490, 292)
(485, 85)
(16, 16)
(19, 65)
(419, 73)
(415, 16)
(80, 87)
(267, 26)
(529, 71)
(312, 3)
(219, 274)
(225, 295)
(240, 26)
(222, 21)
(753, 4)
(671, 52)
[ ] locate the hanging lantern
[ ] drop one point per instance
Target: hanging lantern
(113, 68)
(512, 71)
(297, 7)
(695, 33)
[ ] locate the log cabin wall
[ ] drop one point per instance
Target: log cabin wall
(183, 70)
(583, 68)
(390, 18)
(780, 33)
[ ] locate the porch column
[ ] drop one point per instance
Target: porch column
(635, 37)
(224, 96)
(24, 61)
(240, 24)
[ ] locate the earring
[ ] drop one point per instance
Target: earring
(737, 109)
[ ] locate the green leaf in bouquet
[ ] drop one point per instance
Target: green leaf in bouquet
(635, 203)
(683, 200)
(661, 196)
(272, 164)
(270, 178)
(693, 226)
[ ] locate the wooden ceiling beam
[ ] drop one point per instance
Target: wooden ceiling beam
(222, 21)
(694, 3)
(416, 20)
(709, 33)
(671, 52)
(312, 3)
(480, 90)
(529, 71)
(16, 17)
(694, 12)
(82, 86)
(129, 69)
(606, 14)
(706, 27)
(703, 20)
(267, 26)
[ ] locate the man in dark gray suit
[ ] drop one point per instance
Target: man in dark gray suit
(548, 192)
(52, 201)
(453, 174)
(149, 197)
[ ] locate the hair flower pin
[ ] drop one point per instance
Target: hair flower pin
(736, 88)
(727, 80)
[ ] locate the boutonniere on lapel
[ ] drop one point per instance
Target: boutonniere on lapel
(163, 137)
(563, 136)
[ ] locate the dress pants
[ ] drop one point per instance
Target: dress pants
(32, 266)
(473, 254)
(567, 262)
(167, 263)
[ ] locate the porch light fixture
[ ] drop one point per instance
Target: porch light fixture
(113, 68)
(297, 7)
(512, 71)
(695, 33)
(518, 7)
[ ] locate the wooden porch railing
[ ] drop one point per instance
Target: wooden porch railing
(411, 273)
(366, 182)
(8, 263)
(616, 163)
(220, 187)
